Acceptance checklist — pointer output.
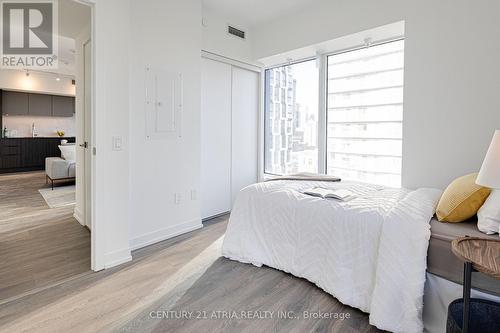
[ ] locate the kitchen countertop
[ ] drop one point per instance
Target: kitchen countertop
(41, 137)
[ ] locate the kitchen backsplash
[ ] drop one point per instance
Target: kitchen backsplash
(20, 126)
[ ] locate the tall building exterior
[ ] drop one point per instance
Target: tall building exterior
(280, 106)
(291, 128)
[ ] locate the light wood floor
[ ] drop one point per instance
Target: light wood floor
(186, 273)
(39, 246)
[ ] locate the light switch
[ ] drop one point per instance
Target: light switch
(117, 143)
(177, 198)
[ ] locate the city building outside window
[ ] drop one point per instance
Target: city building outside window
(363, 116)
(296, 126)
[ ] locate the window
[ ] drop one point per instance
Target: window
(365, 114)
(362, 120)
(295, 94)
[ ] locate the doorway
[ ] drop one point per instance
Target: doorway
(45, 237)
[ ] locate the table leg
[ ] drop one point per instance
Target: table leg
(466, 295)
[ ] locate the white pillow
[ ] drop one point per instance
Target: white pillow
(68, 152)
(488, 216)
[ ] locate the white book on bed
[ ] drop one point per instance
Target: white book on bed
(339, 194)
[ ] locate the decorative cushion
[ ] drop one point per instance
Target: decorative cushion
(461, 200)
(68, 152)
(488, 216)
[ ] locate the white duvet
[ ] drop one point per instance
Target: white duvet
(369, 252)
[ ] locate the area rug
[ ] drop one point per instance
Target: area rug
(59, 197)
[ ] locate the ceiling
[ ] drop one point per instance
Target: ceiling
(253, 12)
(376, 35)
(73, 17)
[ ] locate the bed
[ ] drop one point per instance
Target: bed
(442, 262)
(368, 252)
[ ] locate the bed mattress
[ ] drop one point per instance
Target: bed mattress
(442, 262)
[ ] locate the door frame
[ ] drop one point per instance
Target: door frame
(87, 126)
(96, 239)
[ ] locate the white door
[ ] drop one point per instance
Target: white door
(215, 138)
(245, 107)
(87, 52)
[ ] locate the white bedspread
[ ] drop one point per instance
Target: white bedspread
(369, 252)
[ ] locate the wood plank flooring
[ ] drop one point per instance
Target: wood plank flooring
(186, 273)
(39, 246)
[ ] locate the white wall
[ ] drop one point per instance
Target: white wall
(36, 82)
(111, 187)
(451, 96)
(134, 187)
(215, 38)
(165, 35)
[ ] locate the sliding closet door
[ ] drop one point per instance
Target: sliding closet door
(245, 111)
(215, 138)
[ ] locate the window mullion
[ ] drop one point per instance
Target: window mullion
(322, 112)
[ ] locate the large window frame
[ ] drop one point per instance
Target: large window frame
(322, 63)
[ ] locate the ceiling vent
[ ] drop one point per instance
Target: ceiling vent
(236, 32)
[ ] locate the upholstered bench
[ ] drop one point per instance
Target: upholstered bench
(59, 169)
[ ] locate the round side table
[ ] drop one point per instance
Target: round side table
(479, 254)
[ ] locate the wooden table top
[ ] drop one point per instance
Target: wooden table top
(484, 254)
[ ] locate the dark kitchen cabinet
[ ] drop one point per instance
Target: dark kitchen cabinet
(39, 105)
(23, 104)
(10, 153)
(27, 154)
(63, 106)
(33, 152)
(14, 103)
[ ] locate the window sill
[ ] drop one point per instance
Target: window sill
(267, 176)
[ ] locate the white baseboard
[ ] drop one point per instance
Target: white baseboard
(77, 214)
(165, 233)
(116, 258)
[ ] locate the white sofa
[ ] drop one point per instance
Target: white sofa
(59, 168)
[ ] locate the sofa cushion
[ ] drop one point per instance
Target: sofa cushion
(68, 152)
(57, 168)
(72, 170)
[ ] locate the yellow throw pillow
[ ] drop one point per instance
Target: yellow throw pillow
(462, 199)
